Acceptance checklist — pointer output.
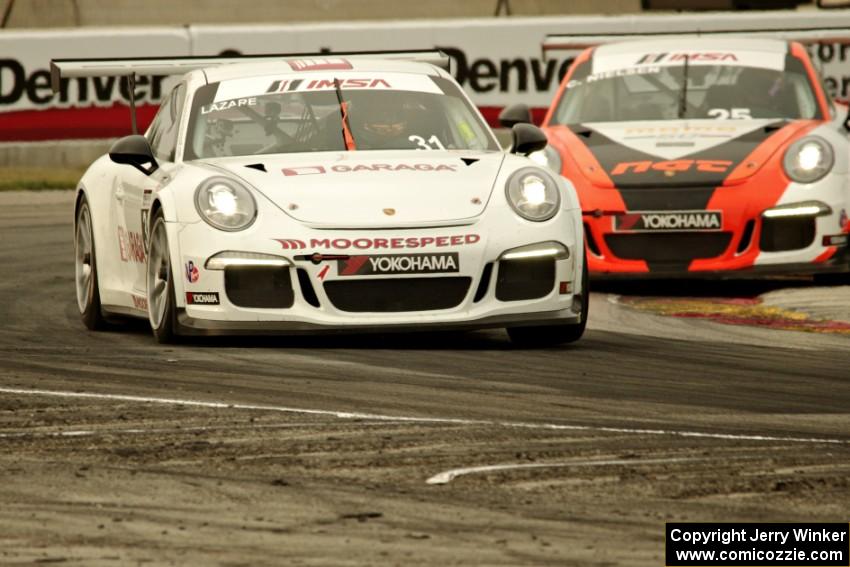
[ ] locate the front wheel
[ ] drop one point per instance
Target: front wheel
(551, 335)
(85, 270)
(162, 312)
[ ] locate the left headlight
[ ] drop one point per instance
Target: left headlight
(808, 159)
(225, 204)
(533, 194)
(547, 157)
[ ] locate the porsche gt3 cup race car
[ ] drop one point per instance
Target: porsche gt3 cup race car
(291, 195)
(698, 156)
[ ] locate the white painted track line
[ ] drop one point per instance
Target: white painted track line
(421, 420)
(446, 477)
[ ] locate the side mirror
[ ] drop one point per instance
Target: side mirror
(847, 119)
(515, 114)
(134, 150)
(527, 139)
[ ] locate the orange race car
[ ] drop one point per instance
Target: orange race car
(704, 156)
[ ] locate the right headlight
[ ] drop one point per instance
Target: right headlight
(225, 204)
(533, 194)
(547, 157)
(808, 159)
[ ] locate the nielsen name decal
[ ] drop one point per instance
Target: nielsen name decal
(660, 221)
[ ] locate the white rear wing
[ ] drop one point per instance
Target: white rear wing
(574, 42)
(128, 67)
(132, 66)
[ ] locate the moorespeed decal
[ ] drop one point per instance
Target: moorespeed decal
(320, 169)
(398, 264)
(202, 298)
(379, 243)
(669, 221)
(131, 247)
(705, 165)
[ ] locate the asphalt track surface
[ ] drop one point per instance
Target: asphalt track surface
(318, 451)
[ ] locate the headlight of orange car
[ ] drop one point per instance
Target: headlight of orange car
(808, 159)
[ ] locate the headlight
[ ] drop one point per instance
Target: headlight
(808, 160)
(533, 194)
(547, 157)
(225, 204)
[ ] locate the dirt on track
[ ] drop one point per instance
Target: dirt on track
(652, 428)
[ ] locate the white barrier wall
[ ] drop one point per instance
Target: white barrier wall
(497, 60)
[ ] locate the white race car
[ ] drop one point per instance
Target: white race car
(305, 194)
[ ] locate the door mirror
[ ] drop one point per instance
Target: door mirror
(527, 139)
(134, 150)
(847, 119)
(515, 114)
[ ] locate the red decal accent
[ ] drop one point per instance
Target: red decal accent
(707, 165)
(628, 221)
(72, 123)
(291, 243)
(324, 272)
(353, 265)
(306, 170)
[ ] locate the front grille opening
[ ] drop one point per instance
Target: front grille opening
(790, 233)
(484, 284)
(397, 294)
(259, 286)
(307, 290)
(525, 279)
(591, 242)
(668, 247)
(747, 236)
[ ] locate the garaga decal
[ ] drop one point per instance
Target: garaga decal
(661, 221)
(319, 169)
(131, 246)
(398, 264)
(705, 165)
(378, 243)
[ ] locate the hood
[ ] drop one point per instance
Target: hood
(682, 152)
(369, 189)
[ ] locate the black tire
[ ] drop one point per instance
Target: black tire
(838, 278)
(162, 312)
(551, 335)
(85, 270)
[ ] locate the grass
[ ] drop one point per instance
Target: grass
(38, 178)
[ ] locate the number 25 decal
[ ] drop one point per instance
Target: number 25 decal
(432, 143)
(731, 113)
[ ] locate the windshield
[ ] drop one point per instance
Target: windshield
(386, 111)
(655, 92)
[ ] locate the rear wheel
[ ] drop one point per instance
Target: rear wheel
(550, 335)
(85, 270)
(162, 311)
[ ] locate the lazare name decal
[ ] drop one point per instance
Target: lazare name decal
(378, 243)
(651, 221)
(398, 264)
(678, 165)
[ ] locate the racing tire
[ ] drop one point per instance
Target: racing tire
(552, 335)
(162, 311)
(85, 270)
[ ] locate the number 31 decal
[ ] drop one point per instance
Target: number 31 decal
(432, 143)
(730, 113)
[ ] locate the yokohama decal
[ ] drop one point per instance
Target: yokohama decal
(202, 298)
(669, 221)
(398, 264)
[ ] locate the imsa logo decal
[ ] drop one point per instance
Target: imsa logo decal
(392, 264)
(669, 221)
